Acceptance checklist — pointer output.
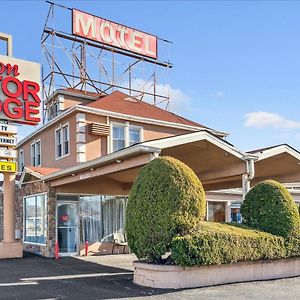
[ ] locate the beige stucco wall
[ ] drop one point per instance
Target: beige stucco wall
(97, 145)
(70, 101)
(47, 138)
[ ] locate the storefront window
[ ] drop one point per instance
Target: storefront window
(216, 211)
(101, 216)
(35, 219)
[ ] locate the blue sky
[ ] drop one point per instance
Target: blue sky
(236, 63)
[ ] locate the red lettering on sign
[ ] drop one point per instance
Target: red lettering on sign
(22, 102)
(12, 107)
(6, 81)
(10, 70)
(114, 34)
(31, 88)
(30, 109)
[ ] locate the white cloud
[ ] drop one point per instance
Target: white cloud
(217, 94)
(179, 101)
(262, 119)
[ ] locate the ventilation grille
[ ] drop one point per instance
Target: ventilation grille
(98, 129)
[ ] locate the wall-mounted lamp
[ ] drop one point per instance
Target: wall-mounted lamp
(118, 161)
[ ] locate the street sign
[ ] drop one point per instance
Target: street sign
(20, 90)
(8, 153)
(6, 141)
(8, 167)
(8, 129)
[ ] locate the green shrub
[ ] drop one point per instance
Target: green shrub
(292, 245)
(216, 243)
(166, 199)
(270, 207)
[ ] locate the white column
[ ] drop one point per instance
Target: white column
(80, 137)
(9, 208)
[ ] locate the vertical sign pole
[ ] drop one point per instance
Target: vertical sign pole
(9, 211)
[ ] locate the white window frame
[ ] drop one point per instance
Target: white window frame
(68, 139)
(112, 134)
(33, 159)
(140, 128)
(24, 218)
(126, 126)
(61, 129)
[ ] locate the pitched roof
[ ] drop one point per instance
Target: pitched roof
(269, 148)
(122, 103)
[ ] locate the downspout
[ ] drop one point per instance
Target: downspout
(246, 178)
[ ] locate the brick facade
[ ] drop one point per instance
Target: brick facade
(32, 188)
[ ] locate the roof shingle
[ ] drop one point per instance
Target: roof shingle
(122, 103)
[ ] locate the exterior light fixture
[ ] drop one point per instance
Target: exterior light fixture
(118, 161)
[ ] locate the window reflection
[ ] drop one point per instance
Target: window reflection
(35, 209)
(216, 211)
(101, 216)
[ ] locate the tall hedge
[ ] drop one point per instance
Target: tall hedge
(166, 199)
(270, 207)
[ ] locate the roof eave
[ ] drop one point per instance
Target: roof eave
(73, 94)
(127, 152)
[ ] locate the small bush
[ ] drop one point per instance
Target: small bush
(270, 207)
(166, 199)
(216, 243)
(292, 245)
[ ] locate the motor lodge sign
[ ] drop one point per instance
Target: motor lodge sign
(19, 90)
(114, 34)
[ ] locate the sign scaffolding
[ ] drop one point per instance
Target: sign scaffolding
(99, 55)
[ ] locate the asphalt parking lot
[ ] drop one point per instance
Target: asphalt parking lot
(110, 277)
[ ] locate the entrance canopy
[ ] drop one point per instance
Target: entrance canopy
(281, 163)
(216, 162)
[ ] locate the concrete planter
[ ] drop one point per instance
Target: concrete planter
(176, 277)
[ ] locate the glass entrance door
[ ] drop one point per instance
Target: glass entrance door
(67, 228)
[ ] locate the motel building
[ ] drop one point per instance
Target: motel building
(77, 170)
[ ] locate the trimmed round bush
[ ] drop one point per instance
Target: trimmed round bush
(270, 207)
(166, 200)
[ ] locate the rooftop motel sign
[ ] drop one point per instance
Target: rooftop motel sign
(114, 34)
(19, 90)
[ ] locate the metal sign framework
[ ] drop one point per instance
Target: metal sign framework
(72, 62)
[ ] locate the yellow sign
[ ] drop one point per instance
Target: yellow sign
(8, 167)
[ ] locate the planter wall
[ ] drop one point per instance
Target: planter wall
(176, 277)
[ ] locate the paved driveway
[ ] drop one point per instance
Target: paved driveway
(110, 277)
